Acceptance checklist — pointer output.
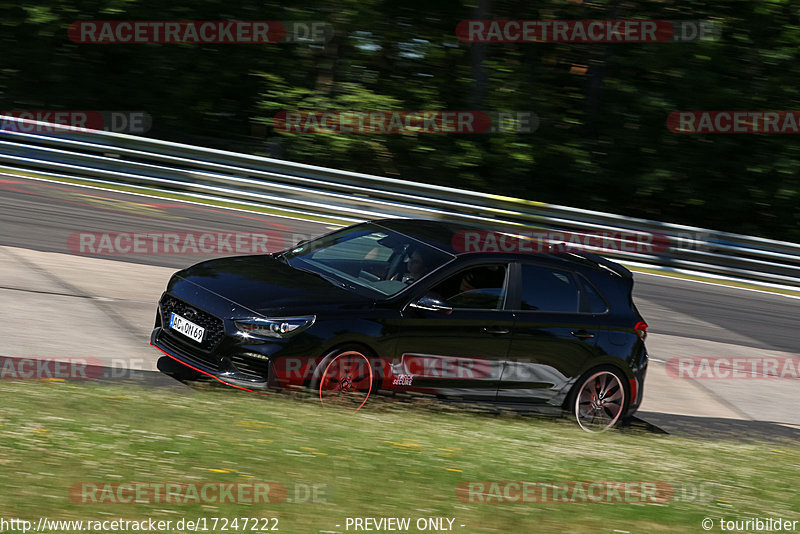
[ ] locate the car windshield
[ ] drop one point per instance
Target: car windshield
(368, 258)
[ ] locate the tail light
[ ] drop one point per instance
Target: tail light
(641, 330)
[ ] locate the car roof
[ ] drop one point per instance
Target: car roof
(441, 234)
(438, 234)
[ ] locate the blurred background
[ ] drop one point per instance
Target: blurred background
(602, 142)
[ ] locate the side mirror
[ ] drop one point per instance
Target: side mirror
(432, 304)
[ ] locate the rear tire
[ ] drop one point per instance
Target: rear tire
(599, 399)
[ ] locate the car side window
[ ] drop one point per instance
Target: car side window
(592, 301)
(548, 290)
(480, 287)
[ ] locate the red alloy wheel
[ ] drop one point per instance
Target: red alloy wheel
(347, 380)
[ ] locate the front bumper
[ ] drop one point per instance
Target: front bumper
(235, 371)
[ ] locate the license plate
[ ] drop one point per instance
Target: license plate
(186, 327)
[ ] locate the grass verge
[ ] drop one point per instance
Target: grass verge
(388, 460)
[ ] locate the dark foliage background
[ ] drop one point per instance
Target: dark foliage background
(602, 143)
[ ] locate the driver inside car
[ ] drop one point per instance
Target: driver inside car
(473, 279)
(416, 266)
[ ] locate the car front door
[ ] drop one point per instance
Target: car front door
(458, 352)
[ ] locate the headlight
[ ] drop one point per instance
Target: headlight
(274, 327)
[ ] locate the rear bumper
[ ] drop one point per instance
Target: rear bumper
(639, 375)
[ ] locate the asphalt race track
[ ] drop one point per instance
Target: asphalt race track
(686, 318)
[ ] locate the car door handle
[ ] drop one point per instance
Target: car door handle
(582, 334)
(495, 330)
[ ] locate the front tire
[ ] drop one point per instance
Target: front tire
(599, 399)
(344, 378)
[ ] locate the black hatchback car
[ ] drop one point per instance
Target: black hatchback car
(403, 305)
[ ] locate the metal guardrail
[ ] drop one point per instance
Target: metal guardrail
(62, 152)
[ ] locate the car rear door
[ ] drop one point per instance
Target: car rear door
(552, 337)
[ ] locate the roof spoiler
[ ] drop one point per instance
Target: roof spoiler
(604, 262)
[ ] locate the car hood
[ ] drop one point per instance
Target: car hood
(264, 285)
